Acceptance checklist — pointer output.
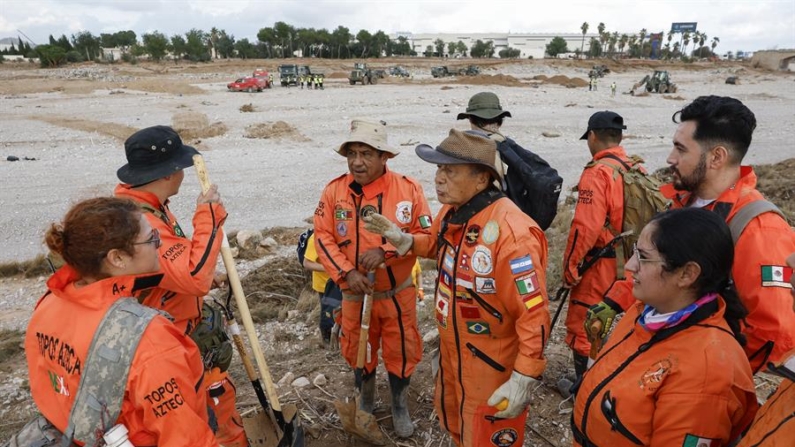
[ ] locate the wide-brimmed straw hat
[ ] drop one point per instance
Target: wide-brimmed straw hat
(462, 147)
(153, 153)
(371, 133)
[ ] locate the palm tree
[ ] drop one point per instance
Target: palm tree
(613, 42)
(584, 29)
(702, 37)
(602, 36)
(715, 41)
(676, 48)
(685, 41)
(633, 44)
(622, 42)
(643, 33)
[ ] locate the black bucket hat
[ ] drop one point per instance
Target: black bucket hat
(154, 153)
(485, 105)
(604, 120)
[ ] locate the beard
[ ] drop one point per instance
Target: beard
(695, 179)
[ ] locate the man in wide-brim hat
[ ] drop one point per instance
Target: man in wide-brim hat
(490, 302)
(348, 253)
(156, 158)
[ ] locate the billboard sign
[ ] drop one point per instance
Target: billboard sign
(681, 27)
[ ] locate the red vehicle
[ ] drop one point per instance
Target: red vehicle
(249, 84)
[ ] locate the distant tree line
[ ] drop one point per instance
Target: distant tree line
(284, 41)
(638, 46)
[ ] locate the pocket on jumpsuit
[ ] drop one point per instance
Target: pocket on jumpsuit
(488, 430)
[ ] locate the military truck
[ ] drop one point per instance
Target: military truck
(441, 72)
(598, 71)
(658, 82)
(288, 75)
(469, 70)
(361, 73)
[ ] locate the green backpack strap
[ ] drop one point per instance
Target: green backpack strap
(104, 379)
(748, 213)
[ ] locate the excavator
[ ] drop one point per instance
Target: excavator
(658, 82)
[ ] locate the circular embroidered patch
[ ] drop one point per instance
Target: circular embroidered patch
(481, 260)
(505, 437)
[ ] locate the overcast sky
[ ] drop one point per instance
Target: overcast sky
(740, 24)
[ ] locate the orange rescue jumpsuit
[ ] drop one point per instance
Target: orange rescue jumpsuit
(189, 266)
(694, 385)
(340, 238)
(774, 425)
(600, 200)
(765, 243)
(160, 407)
(491, 311)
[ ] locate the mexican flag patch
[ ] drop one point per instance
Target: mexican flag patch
(776, 276)
(425, 221)
(695, 441)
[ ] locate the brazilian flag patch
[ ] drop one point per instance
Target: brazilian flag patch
(478, 327)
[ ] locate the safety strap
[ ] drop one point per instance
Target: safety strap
(381, 295)
(102, 384)
(621, 256)
(748, 213)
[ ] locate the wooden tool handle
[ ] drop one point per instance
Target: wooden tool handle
(240, 298)
(364, 332)
(596, 344)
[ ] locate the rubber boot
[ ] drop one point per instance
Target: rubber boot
(367, 393)
(401, 420)
(580, 366)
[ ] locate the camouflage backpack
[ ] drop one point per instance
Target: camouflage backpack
(642, 200)
(101, 390)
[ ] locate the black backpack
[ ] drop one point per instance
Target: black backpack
(532, 184)
(302, 241)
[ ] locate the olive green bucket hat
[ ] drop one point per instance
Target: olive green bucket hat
(485, 105)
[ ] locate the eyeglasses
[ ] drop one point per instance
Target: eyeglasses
(155, 239)
(641, 259)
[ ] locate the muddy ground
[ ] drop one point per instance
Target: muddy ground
(272, 152)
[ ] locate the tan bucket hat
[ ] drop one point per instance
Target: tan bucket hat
(371, 133)
(465, 147)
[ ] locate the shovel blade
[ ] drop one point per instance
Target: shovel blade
(359, 423)
(263, 431)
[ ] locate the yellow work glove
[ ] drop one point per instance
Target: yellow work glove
(516, 391)
(378, 224)
(604, 312)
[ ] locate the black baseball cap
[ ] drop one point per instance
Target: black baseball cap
(154, 153)
(604, 120)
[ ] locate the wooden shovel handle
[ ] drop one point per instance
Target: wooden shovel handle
(364, 332)
(240, 298)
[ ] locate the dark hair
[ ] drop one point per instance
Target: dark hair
(483, 122)
(609, 136)
(91, 229)
(720, 120)
(701, 236)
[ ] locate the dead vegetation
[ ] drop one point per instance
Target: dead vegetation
(193, 126)
(274, 288)
(777, 184)
(279, 129)
(248, 108)
(32, 268)
(119, 131)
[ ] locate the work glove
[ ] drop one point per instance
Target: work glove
(378, 224)
(605, 313)
(516, 391)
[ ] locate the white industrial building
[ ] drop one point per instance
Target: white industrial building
(529, 44)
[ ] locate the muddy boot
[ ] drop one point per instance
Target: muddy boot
(367, 393)
(401, 420)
